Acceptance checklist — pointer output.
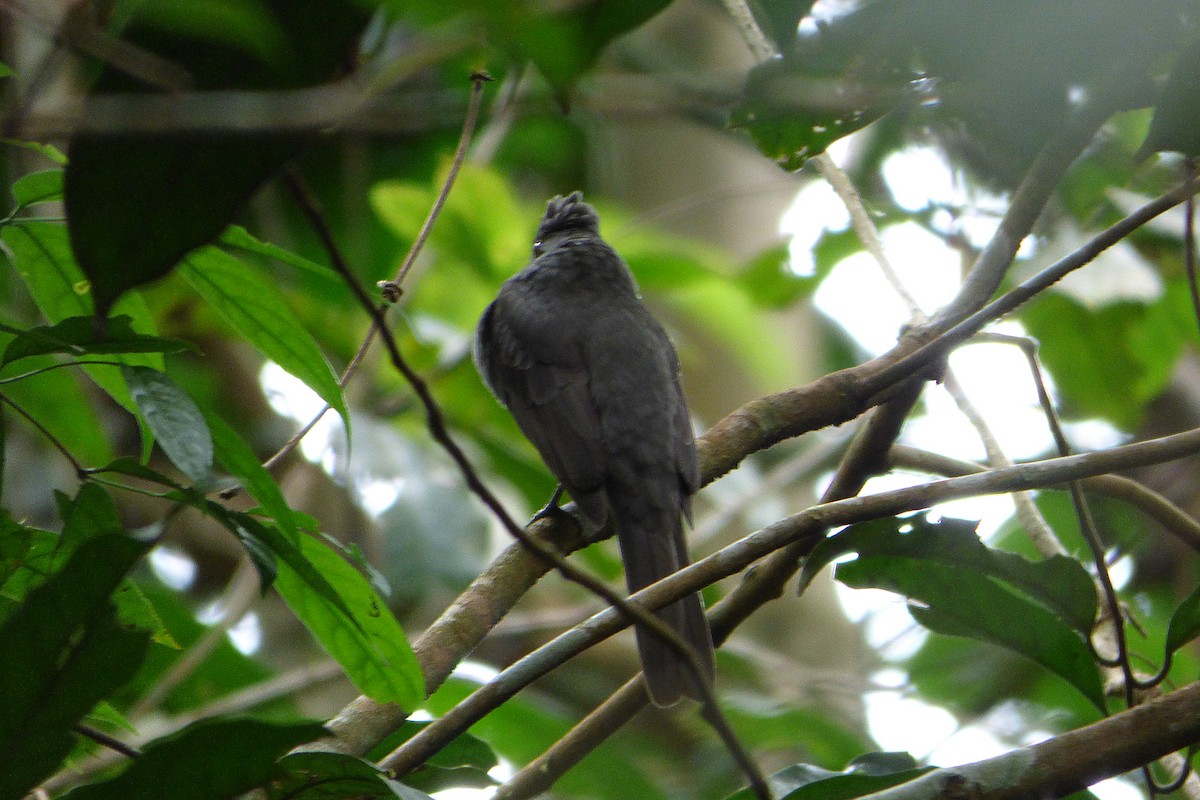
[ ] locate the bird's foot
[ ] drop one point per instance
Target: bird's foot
(551, 509)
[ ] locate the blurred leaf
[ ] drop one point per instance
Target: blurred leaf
(64, 650)
(77, 336)
(791, 119)
(1185, 623)
(522, 729)
(779, 19)
(256, 311)
(492, 245)
(1108, 361)
(368, 642)
(224, 671)
(563, 44)
(1173, 127)
(335, 776)
(213, 759)
(47, 151)
(764, 724)
(770, 282)
(178, 425)
(38, 187)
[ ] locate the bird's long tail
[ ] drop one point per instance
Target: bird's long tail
(653, 547)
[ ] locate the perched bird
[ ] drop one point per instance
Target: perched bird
(592, 379)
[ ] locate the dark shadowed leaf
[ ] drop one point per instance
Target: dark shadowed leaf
(1173, 127)
(64, 651)
(334, 776)
(213, 759)
(180, 190)
(871, 772)
(77, 336)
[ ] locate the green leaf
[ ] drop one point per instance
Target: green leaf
(1059, 583)
(47, 151)
(872, 772)
(368, 643)
(334, 776)
(43, 259)
(785, 126)
(960, 602)
(236, 456)
(213, 759)
(64, 651)
(178, 425)
(769, 281)
(1185, 623)
(1043, 610)
(38, 187)
(238, 238)
(77, 336)
(6, 71)
(464, 762)
(564, 44)
(256, 311)
(1109, 361)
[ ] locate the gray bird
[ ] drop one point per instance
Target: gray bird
(592, 379)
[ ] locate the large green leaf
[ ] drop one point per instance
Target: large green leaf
(368, 643)
(64, 651)
(214, 759)
(253, 307)
(1042, 610)
(1059, 583)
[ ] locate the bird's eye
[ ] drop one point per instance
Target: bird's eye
(538, 249)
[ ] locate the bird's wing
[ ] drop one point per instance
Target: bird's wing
(545, 388)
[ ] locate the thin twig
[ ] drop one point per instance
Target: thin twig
(393, 289)
(297, 187)
(50, 437)
(112, 743)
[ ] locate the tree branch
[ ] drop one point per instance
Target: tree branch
(1069, 762)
